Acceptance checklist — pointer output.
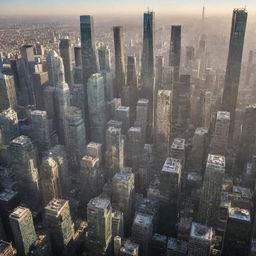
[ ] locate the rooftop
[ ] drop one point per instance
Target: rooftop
(201, 232)
(177, 245)
(142, 102)
(99, 203)
(129, 247)
(3, 246)
(19, 212)
(178, 143)
(123, 177)
(201, 131)
(55, 205)
(223, 115)
(240, 214)
(134, 129)
(21, 140)
(244, 192)
(172, 165)
(39, 113)
(7, 194)
(216, 161)
(123, 108)
(143, 219)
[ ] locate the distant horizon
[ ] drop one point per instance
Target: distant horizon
(32, 8)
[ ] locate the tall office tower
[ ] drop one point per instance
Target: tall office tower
(207, 108)
(40, 130)
(112, 106)
(168, 78)
(78, 56)
(211, 190)
(232, 77)
(249, 68)
(40, 81)
(132, 85)
(170, 176)
(200, 240)
(117, 223)
(147, 61)
(142, 231)
(62, 104)
(175, 51)
(23, 229)
(89, 58)
(109, 85)
(159, 72)
(198, 152)
(76, 137)
(91, 178)
(162, 126)
(9, 126)
(59, 155)
(248, 138)
(96, 107)
(201, 54)
(190, 54)
(7, 249)
(119, 61)
(122, 114)
(142, 112)
(39, 49)
(41, 247)
(7, 92)
(49, 102)
(27, 53)
(129, 248)
(133, 148)
(54, 64)
(99, 217)
(178, 149)
(123, 196)
(50, 180)
(24, 165)
(104, 58)
(114, 154)
(219, 142)
(66, 55)
(238, 232)
(58, 222)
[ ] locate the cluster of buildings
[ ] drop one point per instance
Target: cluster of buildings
(142, 159)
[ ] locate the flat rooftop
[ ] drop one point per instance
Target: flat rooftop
(174, 244)
(7, 195)
(99, 203)
(239, 214)
(21, 140)
(143, 219)
(216, 161)
(178, 143)
(135, 129)
(244, 192)
(172, 165)
(3, 246)
(123, 109)
(201, 131)
(39, 113)
(123, 177)
(55, 206)
(129, 247)
(223, 115)
(114, 130)
(19, 212)
(201, 232)
(142, 102)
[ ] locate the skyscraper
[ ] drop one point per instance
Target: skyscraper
(99, 217)
(175, 50)
(96, 107)
(23, 229)
(104, 58)
(89, 58)
(65, 53)
(119, 60)
(58, 221)
(147, 62)
(235, 53)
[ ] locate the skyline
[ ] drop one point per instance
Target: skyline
(118, 7)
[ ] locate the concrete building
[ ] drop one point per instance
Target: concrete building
(58, 222)
(96, 107)
(163, 128)
(176, 247)
(232, 77)
(23, 229)
(7, 92)
(142, 232)
(7, 249)
(50, 180)
(66, 55)
(142, 112)
(200, 240)
(119, 61)
(129, 248)
(238, 232)
(114, 155)
(99, 217)
(95, 150)
(211, 190)
(25, 167)
(219, 141)
(123, 196)
(117, 223)
(175, 50)
(9, 127)
(104, 58)
(122, 114)
(178, 149)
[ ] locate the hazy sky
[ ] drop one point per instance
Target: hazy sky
(58, 7)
